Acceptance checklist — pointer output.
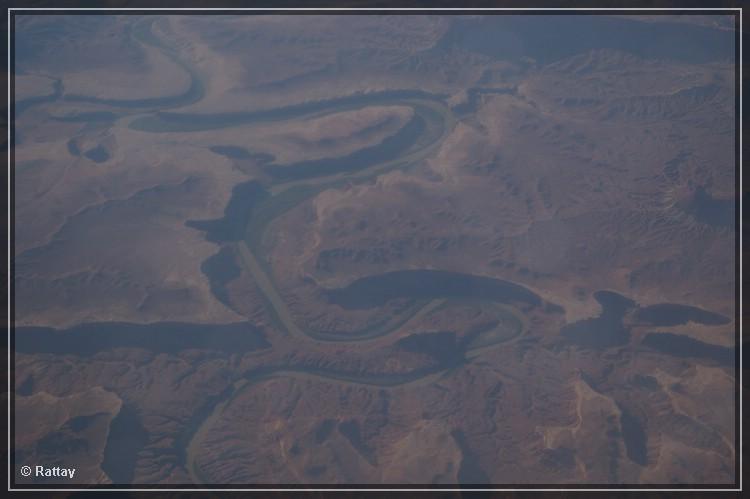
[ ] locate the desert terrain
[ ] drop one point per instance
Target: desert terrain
(366, 249)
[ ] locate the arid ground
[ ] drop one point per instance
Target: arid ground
(365, 249)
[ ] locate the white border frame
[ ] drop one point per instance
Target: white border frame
(365, 11)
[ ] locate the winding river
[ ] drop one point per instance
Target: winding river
(253, 206)
(238, 234)
(256, 203)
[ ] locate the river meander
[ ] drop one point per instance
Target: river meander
(255, 204)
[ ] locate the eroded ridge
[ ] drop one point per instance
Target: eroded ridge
(411, 250)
